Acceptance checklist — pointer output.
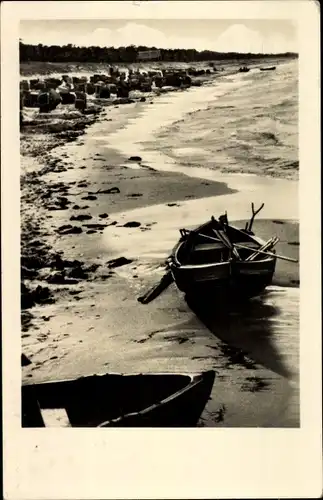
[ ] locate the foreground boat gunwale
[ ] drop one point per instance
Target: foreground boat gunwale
(191, 375)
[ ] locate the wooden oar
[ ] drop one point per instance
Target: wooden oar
(224, 238)
(157, 289)
(266, 246)
(219, 231)
(282, 257)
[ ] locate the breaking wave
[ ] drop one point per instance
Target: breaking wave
(250, 128)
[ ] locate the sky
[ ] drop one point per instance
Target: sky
(265, 35)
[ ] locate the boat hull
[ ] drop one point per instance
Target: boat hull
(239, 281)
(115, 400)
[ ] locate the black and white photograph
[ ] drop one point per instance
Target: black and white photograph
(158, 189)
(159, 241)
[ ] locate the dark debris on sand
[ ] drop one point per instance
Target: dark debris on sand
(43, 268)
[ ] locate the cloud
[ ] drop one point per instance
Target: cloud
(237, 38)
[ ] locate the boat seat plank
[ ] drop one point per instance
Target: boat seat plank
(55, 417)
(205, 247)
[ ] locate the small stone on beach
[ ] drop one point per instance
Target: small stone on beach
(135, 158)
(120, 261)
(296, 243)
(68, 229)
(24, 360)
(89, 197)
(95, 226)
(112, 190)
(59, 278)
(132, 224)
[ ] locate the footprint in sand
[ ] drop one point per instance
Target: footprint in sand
(89, 197)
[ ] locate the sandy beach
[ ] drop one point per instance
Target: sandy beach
(96, 230)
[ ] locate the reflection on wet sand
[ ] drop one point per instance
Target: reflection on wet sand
(259, 341)
(252, 327)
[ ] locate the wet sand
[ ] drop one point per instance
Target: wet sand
(91, 205)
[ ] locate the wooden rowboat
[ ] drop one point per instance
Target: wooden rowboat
(208, 261)
(219, 261)
(117, 400)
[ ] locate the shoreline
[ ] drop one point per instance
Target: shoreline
(45, 68)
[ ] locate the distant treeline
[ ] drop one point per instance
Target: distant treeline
(71, 53)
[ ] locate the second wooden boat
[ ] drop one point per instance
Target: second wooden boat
(117, 400)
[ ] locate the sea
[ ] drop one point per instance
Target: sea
(243, 123)
(249, 125)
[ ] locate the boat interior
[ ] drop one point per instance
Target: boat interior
(89, 401)
(203, 246)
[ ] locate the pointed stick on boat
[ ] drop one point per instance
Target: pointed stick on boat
(254, 213)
